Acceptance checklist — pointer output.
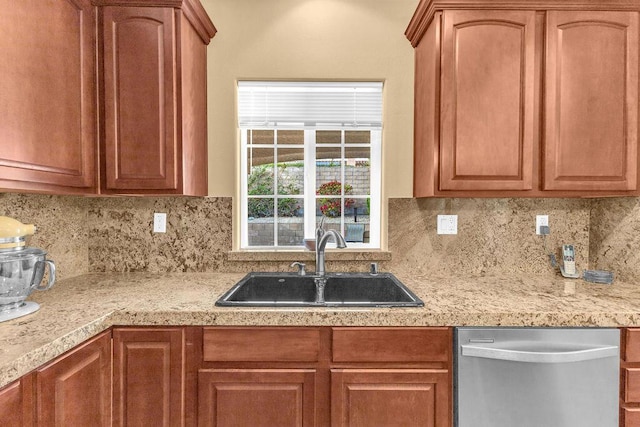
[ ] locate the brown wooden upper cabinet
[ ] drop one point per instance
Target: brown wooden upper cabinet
(104, 96)
(540, 100)
(155, 80)
(48, 96)
(591, 108)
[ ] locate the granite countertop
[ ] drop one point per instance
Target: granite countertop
(76, 309)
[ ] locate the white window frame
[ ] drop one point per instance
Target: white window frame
(310, 197)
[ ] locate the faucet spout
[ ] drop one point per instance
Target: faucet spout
(321, 243)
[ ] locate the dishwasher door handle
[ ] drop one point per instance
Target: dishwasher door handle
(531, 356)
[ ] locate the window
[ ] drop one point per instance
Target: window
(311, 152)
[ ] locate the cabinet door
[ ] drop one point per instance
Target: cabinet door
(256, 397)
(591, 137)
(487, 100)
(75, 390)
(630, 417)
(387, 397)
(149, 375)
(17, 404)
(48, 96)
(141, 139)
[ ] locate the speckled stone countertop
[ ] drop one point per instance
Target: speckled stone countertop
(76, 309)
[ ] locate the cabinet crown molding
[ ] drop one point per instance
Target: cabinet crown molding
(426, 9)
(193, 11)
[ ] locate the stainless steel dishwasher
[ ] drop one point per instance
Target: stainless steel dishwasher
(537, 377)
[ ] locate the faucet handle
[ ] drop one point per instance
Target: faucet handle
(301, 268)
(373, 268)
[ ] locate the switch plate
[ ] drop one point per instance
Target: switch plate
(159, 222)
(447, 224)
(540, 221)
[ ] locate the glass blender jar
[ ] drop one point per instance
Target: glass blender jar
(22, 269)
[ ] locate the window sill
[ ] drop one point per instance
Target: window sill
(302, 255)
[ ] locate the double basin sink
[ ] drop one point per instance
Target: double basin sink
(331, 290)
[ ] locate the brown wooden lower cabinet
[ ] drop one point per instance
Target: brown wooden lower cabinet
(339, 377)
(148, 376)
(16, 403)
(256, 397)
(241, 376)
(389, 397)
(75, 389)
(630, 417)
(630, 377)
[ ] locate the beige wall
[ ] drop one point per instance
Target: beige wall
(315, 40)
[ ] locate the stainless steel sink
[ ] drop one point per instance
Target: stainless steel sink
(340, 289)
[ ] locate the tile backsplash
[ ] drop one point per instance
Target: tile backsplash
(495, 236)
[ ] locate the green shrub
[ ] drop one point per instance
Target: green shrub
(260, 182)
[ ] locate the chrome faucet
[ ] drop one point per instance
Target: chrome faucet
(322, 237)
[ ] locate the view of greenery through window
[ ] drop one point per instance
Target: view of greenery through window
(275, 184)
(261, 181)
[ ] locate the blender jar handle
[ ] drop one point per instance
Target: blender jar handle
(52, 276)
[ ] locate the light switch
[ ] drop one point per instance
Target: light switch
(447, 224)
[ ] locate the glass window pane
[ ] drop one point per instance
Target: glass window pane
(330, 222)
(290, 207)
(262, 136)
(290, 233)
(328, 170)
(357, 173)
(356, 221)
(260, 169)
(290, 171)
(328, 180)
(328, 137)
(291, 137)
(290, 222)
(357, 137)
(260, 222)
(259, 156)
(329, 207)
(363, 153)
(258, 207)
(328, 153)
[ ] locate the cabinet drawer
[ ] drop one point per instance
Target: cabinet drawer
(631, 384)
(261, 345)
(632, 345)
(413, 345)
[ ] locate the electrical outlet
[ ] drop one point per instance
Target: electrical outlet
(541, 220)
(159, 222)
(447, 224)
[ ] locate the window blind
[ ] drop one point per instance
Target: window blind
(309, 104)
